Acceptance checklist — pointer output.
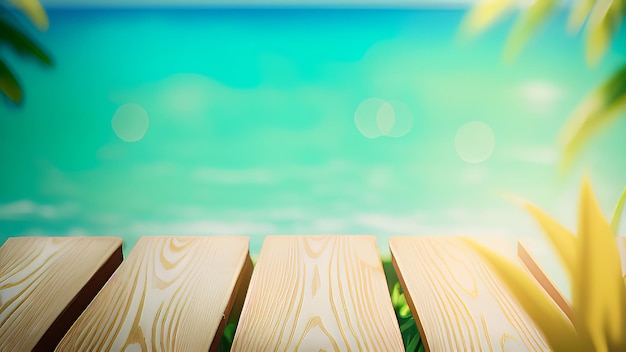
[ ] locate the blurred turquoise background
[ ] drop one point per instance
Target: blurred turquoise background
(258, 121)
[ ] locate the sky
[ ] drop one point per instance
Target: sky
(258, 122)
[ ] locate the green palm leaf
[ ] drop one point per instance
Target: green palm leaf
(9, 85)
(600, 108)
(21, 43)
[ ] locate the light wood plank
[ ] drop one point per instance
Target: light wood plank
(46, 282)
(457, 301)
(528, 253)
(170, 294)
(533, 266)
(318, 293)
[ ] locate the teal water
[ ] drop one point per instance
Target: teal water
(242, 122)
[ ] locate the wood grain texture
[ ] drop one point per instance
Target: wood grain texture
(170, 294)
(46, 282)
(458, 302)
(318, 293)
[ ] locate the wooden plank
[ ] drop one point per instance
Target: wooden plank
(170, 294)
(532, 265)
(318, 293)
(46, 283)
(536, 265)
(457, 301)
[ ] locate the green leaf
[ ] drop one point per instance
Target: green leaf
(395, 295)
(412, 344)
(602, 107)
(21, 43)
(407, 325)
(229, 331)
(421, 348)
(617, 213)
(9, 85)
(228, 336)
(404, 311)
(530, 21)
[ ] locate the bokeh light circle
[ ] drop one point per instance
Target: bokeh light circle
(474, 142)
(376, 117)
(366, 117)
(130, 122)
(403, 122)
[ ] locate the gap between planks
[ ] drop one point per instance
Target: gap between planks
(171, 294)
(46, 283)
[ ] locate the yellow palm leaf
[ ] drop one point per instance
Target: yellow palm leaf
(599, 296)
(34, 10)
(604, 22)
(485, 14)
(549, 319)
(532, 18)
(617, 213)
(562, 240)
(579, 14)
(602, 107)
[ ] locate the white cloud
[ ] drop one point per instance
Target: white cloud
(40, 232)
(451, 222)
(25, 209)
(155, 169)
(55, 182)
(380, 177)
(405, 225)
(273, 175)
(106, 218)
(234, 177)
(536, 155)
(331, 226)
(540, 97)
(201, 228)
(473, 174)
